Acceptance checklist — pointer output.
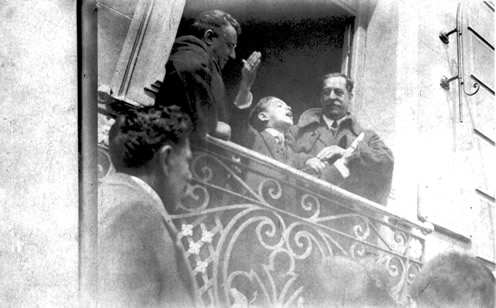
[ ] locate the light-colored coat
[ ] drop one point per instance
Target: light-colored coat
(140, 264)
(371, 173)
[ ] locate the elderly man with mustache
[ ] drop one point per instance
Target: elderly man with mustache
(338, 149)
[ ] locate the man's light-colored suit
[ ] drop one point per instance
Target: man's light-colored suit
(140, 264)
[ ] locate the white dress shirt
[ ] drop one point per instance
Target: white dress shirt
(339, 164)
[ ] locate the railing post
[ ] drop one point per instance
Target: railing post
(88, 155)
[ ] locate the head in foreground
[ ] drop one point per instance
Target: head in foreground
(152, 143)
(453, 280)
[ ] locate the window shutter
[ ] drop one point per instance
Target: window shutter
(135, 59)
(478, 55)
(478, 36)
(468, 187)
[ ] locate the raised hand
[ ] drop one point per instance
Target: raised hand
(250, 67)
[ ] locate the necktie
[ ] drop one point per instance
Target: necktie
(281, 149)
(334, 127)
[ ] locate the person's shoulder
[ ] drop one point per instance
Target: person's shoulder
(357, 127)
(189, 43)
(310, 117)
(119, 194)
(189, 54)
(252, 137)
(266, 135)
(257, 140)
(308, 122)
(116, 185)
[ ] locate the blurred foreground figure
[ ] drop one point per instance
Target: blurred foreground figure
(453, 280)
(348, 282)
(140, 263)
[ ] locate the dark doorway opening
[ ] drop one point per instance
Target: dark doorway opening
(298, 46)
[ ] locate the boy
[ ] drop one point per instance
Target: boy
(271, 118)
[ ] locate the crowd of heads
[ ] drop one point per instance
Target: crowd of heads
(450, 279)
(348, 282)
(453, 279)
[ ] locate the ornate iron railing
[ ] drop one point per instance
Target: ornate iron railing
(255, 230)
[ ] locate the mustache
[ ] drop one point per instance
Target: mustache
(332, 102)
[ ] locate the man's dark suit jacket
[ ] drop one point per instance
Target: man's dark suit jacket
(193, 80)
(264, 143)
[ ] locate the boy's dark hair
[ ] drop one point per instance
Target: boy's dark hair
(136, 136)
(261, 106)
(454, 280)
(349, 82)
(215, 20)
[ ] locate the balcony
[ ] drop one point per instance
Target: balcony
(257, 229)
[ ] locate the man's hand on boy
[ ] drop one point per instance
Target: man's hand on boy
(353, 151)
(330, 152)
(316, 165)
(222, 131)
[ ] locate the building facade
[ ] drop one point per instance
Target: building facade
(398, 52)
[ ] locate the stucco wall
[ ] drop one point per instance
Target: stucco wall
(438, 159)
(383, 102)
(400, 99)
(38, 156)
(439, 185)
(448, 150)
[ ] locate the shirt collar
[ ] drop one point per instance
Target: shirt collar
(329, 121)
(276, 134)
(147, 188)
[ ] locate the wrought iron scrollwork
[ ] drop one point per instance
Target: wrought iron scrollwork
(311, 203)
(476, 86)
(258, 244)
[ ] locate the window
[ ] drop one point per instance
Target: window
(299, 40)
